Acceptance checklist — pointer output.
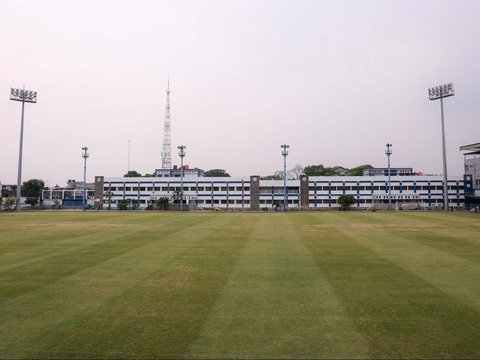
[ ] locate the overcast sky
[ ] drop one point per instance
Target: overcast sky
(336, 80)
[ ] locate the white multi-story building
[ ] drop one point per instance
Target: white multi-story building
(252, 193)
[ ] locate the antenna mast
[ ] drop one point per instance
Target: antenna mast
(166, 148)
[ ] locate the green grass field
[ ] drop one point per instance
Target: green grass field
(253, 285)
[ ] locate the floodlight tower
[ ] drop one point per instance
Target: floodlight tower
(85, 156)
(435, 93)
(29, 97)
(284, 154)
(388, 152)
(166, 148)
(182, 154)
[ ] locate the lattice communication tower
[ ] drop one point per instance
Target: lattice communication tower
(166, 148)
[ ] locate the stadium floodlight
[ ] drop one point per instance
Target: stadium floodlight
(284, 154)
(388, 152)
(435, 93)
(85, 156)
(25, 96)
(182, 154)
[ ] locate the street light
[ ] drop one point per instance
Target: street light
(29, 97)
(181, 153)
(435, 93)
(85, 157)
(284, 154)
(388, 152)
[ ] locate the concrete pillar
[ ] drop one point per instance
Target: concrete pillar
(98, 203)
(304, 198)
(255, 192)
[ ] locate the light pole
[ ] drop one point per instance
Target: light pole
(85, 157)
(284, 154)
(388, 152)
(181, 153)
(23, 96)
(435, 93)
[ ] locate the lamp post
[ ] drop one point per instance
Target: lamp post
(284, 154)
(181, 153)
(29, 97)
(435, 93)
(388, 152)
(85, 157)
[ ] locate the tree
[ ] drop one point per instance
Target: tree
(108, 195)
(314, 170)
(358, 171)
(122, 204)
(162, 203)
(9, 203)
(149, 175)
(271, 177)
(346, 201)
(216, 173)
(176, 195)
(320, 170)
(132, 173)
(295, 172)
(134, 203)
(32, 188)
(32, 201)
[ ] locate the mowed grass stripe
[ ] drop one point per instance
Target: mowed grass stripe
(399, 313)
(277, 304)
(71, 258)
(450, 264)
(461, 238)
(457, 276)
(34, 236)
(85, 290)
(161, 313)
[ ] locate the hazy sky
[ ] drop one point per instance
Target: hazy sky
(336, 80)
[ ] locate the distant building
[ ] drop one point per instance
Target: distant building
(472, 173)
(393, 172)
(8, 190)
(253, 193)
(177, 172)
(70, 196)
(472, 162)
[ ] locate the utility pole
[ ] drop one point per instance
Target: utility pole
(85, 156)
(284, 154)
(182, 154)
(388, 152)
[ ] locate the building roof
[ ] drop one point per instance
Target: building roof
(471, 147)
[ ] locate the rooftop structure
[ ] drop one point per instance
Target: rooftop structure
(384, 172)
(176, 172)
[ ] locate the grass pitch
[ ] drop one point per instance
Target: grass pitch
(253, 285)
